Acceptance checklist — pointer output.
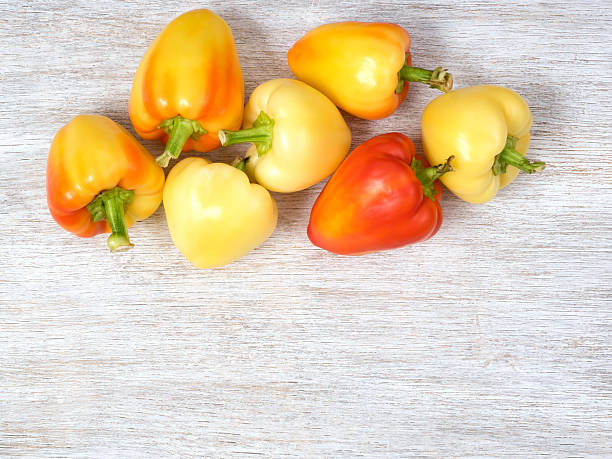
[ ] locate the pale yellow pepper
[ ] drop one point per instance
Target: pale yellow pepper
(486, 129)
(299, 137)
(215, 215)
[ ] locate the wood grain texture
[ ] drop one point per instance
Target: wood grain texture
(491, 339)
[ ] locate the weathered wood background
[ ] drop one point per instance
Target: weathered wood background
(492, 339)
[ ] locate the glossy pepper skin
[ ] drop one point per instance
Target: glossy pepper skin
(486, 128)
(382, 196)
(364, 68)
(101, 179)
(215, 215)
(299, 136)
(188, 85)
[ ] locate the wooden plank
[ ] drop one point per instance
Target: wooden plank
(491, 339)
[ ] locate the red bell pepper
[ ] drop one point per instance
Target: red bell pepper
(382, 196)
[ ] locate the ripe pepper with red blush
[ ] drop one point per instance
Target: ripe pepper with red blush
(100, 179)
(382, 196)
(188, 85)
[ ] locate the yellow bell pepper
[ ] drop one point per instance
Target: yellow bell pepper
(215, 215)
(363, 67)
(299, 137)
(188, 85)
(486, 129)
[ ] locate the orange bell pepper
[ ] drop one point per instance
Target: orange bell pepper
(188, 85)
(101, 179)
(364, 68)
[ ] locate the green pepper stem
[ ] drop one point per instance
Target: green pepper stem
(258, 134)
(438, 78)
(240, 163)
(108, 206)
(179, 130)
(261, 134)
(427, 176)
(510, 156)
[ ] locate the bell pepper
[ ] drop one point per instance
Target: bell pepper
(188, 85)
(382, 196)
(299, 137)
(100, 179)
(364, 68)
(486, 128)
(215, 215)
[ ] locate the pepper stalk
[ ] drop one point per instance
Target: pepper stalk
(437, 78)
(260, 134)
(109, 206)
(179, 130)
(427, 176)
(510, 156)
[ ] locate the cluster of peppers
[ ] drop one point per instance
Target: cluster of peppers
(189, 93)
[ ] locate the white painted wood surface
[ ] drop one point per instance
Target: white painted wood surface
(492, 339)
